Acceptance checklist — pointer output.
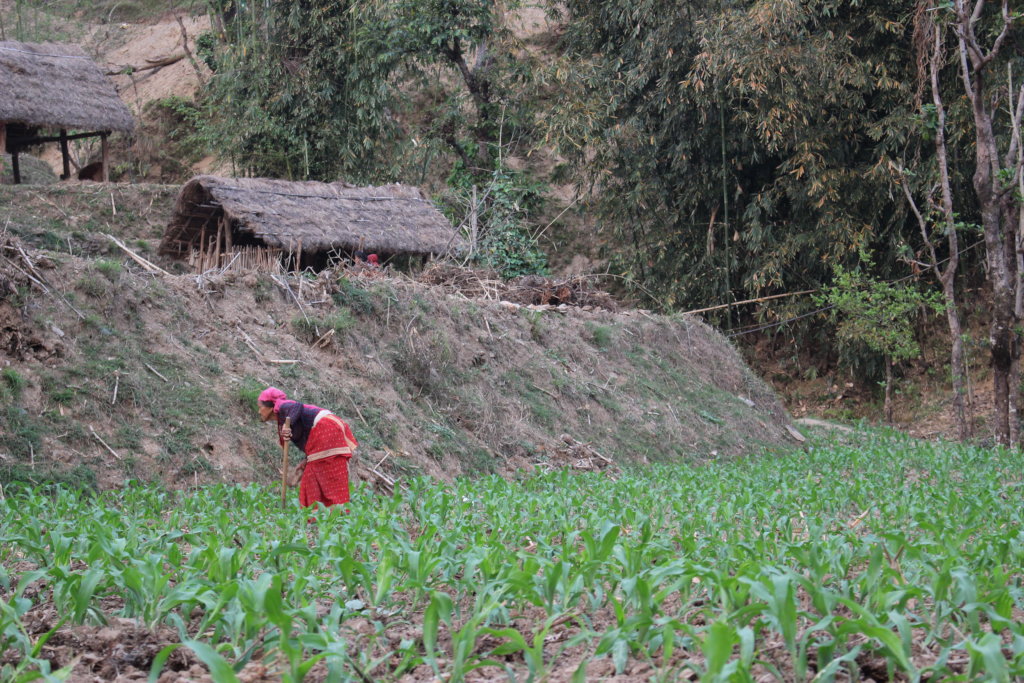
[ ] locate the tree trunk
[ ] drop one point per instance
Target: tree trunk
(948, 277)
(957, 365)
(1000, 235)
(888, 390)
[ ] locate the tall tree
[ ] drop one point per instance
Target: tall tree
(735, 144)
(983, 31)
(479, 107)
(939, 215)
(300, 89)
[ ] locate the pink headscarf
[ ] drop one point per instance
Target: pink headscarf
(275, 395)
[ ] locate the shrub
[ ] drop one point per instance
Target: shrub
(263, 290)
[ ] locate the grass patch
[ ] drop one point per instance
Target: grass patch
(47, 479)
(263, 290)
(311, 329)
(381, 431)
(427, 363)
(354, 298)
(13, 382)
(108, 268)
(93, 286)
(601, 336)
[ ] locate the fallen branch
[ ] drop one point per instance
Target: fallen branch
(360, 414)
(859, 519)
(324, 339)
(188, 52)
(135, 257)
(542, 389)
(248, 341)
(36, 277)
(112, 451)
(154, 371)
(284, 283)
(151, 64)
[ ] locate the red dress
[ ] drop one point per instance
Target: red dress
(328, 449)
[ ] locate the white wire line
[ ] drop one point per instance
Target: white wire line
(761, 328)
(43, 54)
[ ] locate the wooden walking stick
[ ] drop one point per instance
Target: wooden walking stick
(284, 466)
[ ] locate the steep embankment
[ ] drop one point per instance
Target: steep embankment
(112, 372)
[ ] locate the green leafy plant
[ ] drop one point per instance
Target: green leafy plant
(879, 315)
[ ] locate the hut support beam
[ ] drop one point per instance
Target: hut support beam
(42, 139)
(3, 137)
(15, 167)
(228, 246)
(64, 156)
(105, 151)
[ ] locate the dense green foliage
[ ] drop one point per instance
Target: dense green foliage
(320, 90)
(729, 169)
(885, 558)
(879, 315)
(300, 89)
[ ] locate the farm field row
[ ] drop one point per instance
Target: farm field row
(886, 558)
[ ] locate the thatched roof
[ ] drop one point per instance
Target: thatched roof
(324, 216)
(57, 86)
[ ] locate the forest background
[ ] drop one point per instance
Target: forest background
(849, 168)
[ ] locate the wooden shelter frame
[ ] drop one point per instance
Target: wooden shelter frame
(15, 145)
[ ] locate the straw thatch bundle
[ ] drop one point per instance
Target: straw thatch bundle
(321, 217)
(57, 86)
(528, 290)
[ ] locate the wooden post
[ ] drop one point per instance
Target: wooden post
(472, 225)
(298, 259)
(105, 151)
(65, 157)
(3, 137)
(228, 245)
(220, 229)
(202, 248)
(15, 168)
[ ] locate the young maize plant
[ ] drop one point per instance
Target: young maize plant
(893, 558)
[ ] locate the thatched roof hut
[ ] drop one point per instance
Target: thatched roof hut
(49, 85)
(57, 86)
(310, 218)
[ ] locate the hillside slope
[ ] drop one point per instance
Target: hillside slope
(111, 372)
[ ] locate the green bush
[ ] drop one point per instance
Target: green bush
(22, 433)
(427, 364)
(506, 241)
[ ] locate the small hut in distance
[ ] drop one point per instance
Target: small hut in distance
(220, 221)
(56, 87)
